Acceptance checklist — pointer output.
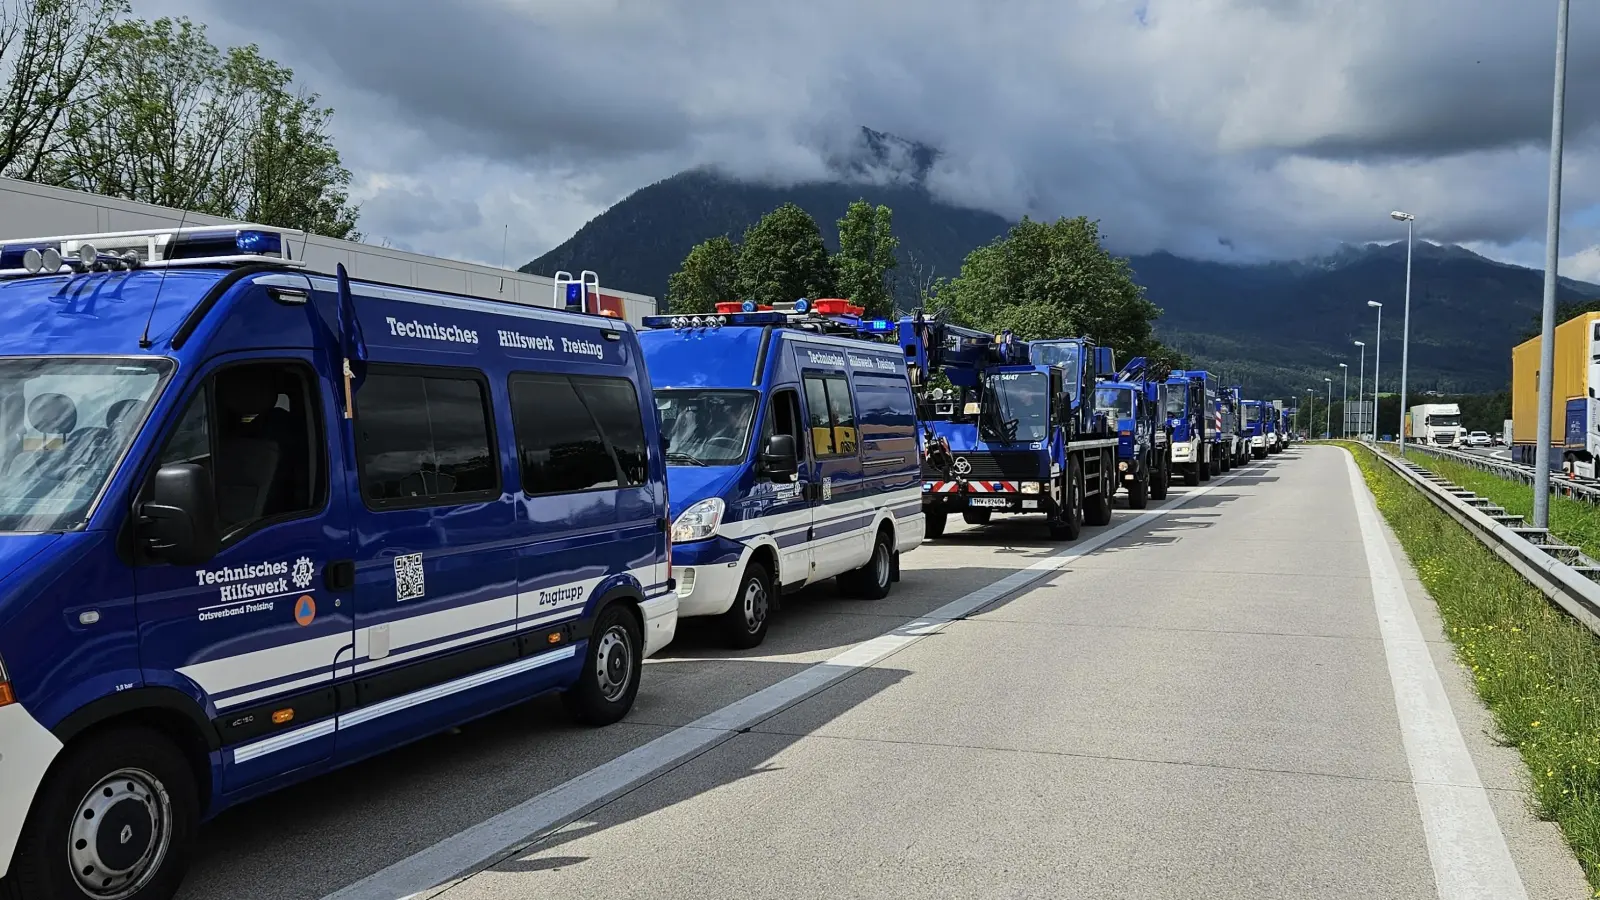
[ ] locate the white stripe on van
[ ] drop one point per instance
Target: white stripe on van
(466, 683)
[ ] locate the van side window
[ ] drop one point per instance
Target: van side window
(783, 417)
(832, 415)
(256, 428)
(818, 418)
(423, 439)
(577, 434)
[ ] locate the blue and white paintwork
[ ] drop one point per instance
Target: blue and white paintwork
(822, 522)
(89, 636)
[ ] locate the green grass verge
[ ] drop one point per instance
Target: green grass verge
(1536, 668)
(1574, 521)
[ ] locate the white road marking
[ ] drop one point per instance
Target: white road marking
(1465, 845)
(434, 870)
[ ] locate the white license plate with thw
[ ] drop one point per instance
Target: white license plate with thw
(996, 502)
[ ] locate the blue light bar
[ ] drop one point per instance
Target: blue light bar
(260, 242)
(11, 254)
(708, 322)
(878, 326)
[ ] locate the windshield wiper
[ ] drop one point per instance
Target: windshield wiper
(680, 456)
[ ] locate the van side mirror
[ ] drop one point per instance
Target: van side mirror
(179, 521)
(779, 458)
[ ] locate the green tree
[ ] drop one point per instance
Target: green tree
(47, 49)
(1054, 280)
(166, 117)
(706, 277)
(782, 258)
(866, 256)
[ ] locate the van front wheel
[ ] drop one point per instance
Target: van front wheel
(745, 623)
(609, 678)
(115, 819)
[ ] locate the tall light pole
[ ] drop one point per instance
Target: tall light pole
(1405, 328)
(1327, 414)
(1311, 413)
(1377, 359)
(1344, 403)
(1552, 257)
(1361, 390)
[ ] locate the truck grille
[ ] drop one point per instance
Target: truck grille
(1011, 466)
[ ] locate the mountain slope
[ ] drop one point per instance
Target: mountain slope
(1277, 328)
(638, 243)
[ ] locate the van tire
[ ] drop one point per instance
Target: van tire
(612, 664)
(933, 522)
(143, 767)
(1067, 524)
(975, 516)
(746, 621)
(873, 580)
(1160, 475)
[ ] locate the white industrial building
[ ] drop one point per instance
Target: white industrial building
(35, 210)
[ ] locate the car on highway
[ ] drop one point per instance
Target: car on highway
(1479, 439)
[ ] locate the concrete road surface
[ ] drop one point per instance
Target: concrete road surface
(1240, 693)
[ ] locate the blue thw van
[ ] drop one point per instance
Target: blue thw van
(260, 523)
(792, 456)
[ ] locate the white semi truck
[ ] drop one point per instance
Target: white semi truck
(1435, 424)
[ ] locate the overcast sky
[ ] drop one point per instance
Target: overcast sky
(1229, 129)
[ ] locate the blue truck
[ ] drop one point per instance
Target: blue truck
(261, 522)
(1230, 443)
(1015, 431)
(1257, 423)
(1195, 420)
(1133, 403)
(792, 455)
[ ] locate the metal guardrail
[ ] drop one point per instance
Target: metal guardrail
(1562, 572)
(1575, 487)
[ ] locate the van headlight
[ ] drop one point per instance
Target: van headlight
(1030, 487)
(698, 522)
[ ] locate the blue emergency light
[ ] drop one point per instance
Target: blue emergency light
(801, 305)
(878, 326)
(575, 296)
(748, 306)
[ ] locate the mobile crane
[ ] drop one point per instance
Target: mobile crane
(1012, 428)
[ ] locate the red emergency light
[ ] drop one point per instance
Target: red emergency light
(836, 307)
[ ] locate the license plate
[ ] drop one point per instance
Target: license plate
(997, 502)
(1030, 504)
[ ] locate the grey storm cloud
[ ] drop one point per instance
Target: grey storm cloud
(1223, 128)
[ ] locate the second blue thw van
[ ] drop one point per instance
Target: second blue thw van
(792, 457)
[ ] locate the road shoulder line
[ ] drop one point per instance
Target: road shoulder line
(1466, 847)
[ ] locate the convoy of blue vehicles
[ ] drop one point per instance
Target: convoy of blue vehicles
(262, 522)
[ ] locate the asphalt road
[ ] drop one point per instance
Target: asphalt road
(1219, 697)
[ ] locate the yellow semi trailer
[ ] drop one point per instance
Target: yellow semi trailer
(1573, 404)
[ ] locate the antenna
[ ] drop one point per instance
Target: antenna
(505, 241)
(144, 336)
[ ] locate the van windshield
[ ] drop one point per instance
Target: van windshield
(1252, 413)
(705, 428)
(64, 424)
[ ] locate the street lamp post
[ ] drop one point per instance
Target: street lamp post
(1344, 403)
(1311, 412)
(1405, 328)
(1552, 257)
(1377, 360)
(1327, 414)
(1361, 390)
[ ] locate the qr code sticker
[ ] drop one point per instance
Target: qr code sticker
(408, 577)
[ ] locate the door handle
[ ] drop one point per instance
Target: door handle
(339, 575)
